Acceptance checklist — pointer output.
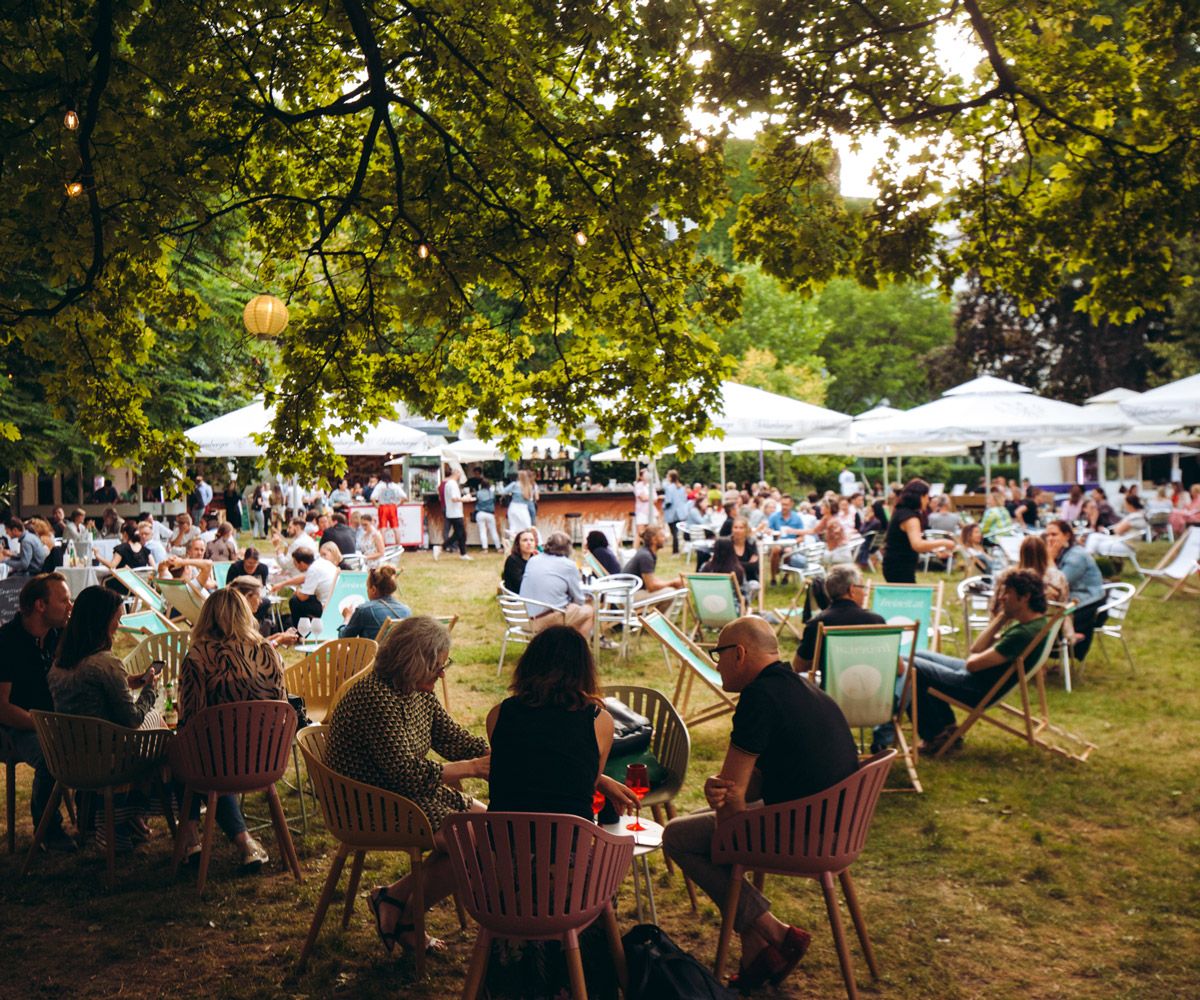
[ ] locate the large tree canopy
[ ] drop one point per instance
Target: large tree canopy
(496, 206)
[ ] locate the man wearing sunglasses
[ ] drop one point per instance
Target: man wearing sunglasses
(789, 740)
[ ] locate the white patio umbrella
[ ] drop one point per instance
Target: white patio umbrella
(992, 409)
(229, 435)
(1173, 403)
(747, 411)
(704, 446)
(475, 450)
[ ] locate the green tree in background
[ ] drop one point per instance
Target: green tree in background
(879, 343)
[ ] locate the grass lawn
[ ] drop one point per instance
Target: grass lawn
(1017, 874)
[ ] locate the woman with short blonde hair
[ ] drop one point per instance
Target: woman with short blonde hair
(381, 732)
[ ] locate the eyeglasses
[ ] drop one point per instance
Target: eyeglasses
(446, 666)
(716, 651)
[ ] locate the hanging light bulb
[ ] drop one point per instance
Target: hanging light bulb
(580, 238)
(74, 189)
(423, 251)
(71, 119)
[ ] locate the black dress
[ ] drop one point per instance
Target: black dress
(900, 558)
(543, 760)
(233, 508)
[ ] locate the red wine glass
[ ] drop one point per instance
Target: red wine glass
(597, 803)
(637, 780)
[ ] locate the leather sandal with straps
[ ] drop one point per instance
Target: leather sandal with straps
(374, 899)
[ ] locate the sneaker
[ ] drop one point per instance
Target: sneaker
(59, 840)
(254, 856)
(467, 557)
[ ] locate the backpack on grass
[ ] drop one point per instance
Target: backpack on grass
(660, 970)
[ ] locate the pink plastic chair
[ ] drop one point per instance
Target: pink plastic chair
(536, 877)
(243, 746)
(816, 837)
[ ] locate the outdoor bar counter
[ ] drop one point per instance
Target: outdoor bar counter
(553, 508)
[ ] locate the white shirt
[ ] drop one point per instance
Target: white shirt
(208, 536)
(318, 581)
(847, 480)
(454, 507)
(301, 541)
(389, 492)
(205, 492)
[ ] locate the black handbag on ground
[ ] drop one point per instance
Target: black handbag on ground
(660, 970)
(631, 732)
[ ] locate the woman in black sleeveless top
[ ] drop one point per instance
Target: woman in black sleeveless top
(550, 740)
(904, 535)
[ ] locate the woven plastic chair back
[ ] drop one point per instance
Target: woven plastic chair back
(821, 833)
(534, 876)
(358, 815)
(322, 672)
(670, 743)
(86, 753)
(170, 647)
(244, 746)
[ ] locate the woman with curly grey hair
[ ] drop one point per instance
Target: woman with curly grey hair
(381, 733)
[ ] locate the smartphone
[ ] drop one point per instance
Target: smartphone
(157, 666)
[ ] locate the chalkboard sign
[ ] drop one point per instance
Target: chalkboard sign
(10, 592)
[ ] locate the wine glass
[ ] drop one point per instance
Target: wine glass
(304, 626)
(597, 804)
(315, 627)
(637, 780)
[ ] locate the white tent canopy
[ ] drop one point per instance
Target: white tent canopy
(475, 450)
(992, 409)
(747, 411)
(1174, 403)
(229, 435)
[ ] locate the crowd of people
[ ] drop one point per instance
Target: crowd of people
(788, 738)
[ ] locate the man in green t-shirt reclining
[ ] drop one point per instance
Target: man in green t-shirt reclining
(1022, 601)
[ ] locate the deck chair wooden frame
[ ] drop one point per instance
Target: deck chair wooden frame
(1180, 564)
(220, 572)
(147, 623)
(594, 565)
(707, 588)
(793, 613)
(878, 649)
(183, 598)
(904, 595)
(695, 664)
(139, 588)
(1037, 731)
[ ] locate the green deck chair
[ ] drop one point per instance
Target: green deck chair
(715, 600)
(694, 665)
(858, 668)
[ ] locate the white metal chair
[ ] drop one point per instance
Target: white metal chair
(1117, 600)
(613, 597)
(516, 620)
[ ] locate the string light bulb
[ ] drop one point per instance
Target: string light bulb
(580, 238)
(74, 189)
(423, 251)
(71, 119)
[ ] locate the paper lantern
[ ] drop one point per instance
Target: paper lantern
(265, 316)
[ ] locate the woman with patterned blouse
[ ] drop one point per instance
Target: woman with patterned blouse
(228, 661)
(381, 733)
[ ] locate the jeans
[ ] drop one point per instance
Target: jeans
(257, 523)
(687, 840)
(486, 520)
(29, 751)
(229, 814)
(948, 674)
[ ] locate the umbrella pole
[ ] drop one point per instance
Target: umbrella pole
(987, 466)
(722, 472)
(885, 476)
(762, 463)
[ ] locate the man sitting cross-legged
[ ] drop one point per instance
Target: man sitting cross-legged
(789, 740)
(1022, 600)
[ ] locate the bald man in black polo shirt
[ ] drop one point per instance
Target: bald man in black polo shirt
(789, 740)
